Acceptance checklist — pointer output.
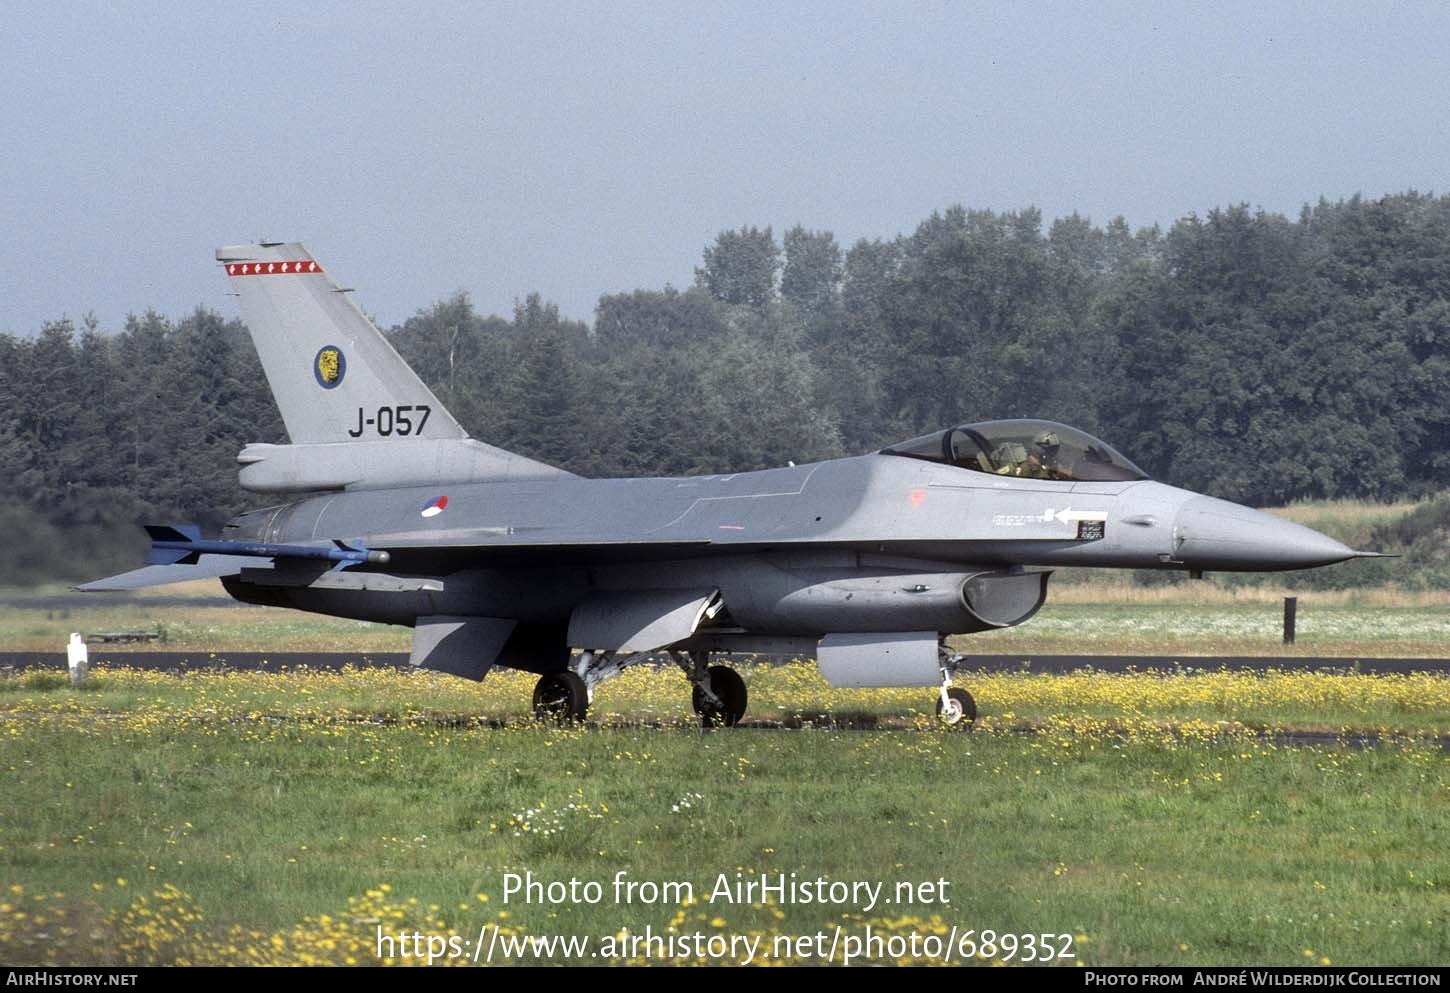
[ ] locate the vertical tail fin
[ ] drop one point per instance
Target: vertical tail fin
(333, 374)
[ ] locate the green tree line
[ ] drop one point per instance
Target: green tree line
(1241, 353)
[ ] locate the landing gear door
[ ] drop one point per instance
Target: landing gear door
(638, 620)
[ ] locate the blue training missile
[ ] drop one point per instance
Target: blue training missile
(182, 544)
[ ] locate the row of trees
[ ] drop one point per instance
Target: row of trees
(1258, 358)
(101, 431)
(1255, 357)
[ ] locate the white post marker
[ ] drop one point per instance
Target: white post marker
(78, 657)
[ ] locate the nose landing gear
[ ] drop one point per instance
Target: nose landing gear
(954, 706)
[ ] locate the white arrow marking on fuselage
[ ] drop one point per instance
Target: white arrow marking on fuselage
(1067, 515)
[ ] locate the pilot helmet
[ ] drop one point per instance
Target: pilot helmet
(1047, 441)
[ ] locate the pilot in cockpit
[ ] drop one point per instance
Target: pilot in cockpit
(1042, 459)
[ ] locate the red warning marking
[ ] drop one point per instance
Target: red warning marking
(305, 267)
(917, 496)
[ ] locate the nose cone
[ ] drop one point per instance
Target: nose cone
(1216, 534)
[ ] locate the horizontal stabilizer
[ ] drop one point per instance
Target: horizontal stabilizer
(207, 567)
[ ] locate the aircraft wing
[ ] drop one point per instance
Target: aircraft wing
(427, 551)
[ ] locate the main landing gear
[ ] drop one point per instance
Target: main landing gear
(560, 697)
(563, 697)
(954, 706)
(718, 693)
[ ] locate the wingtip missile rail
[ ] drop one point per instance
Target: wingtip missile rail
(183, 544)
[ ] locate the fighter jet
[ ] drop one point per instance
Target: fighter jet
(392, 513)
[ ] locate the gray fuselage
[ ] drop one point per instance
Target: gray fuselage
(873, 543)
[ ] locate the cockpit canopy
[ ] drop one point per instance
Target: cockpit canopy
(1032, 449)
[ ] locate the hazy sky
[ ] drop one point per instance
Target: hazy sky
(578, 149)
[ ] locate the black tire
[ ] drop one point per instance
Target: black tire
(963, 710)
(560, 697)
(726, 684)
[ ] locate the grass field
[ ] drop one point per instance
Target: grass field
(1149, 819)
(1143, 818)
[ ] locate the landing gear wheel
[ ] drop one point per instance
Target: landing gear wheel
(560, 697)
(726, 684)
(959, 710)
